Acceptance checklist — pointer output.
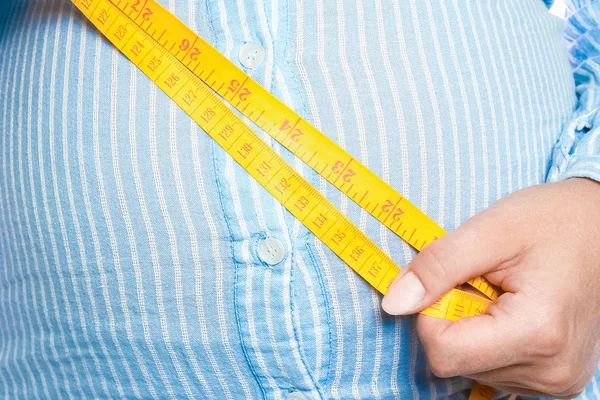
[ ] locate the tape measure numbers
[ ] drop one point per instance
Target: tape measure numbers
(191, 72)
(197, 77)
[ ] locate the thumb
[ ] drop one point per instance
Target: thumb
(474, 249)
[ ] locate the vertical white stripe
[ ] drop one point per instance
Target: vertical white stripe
(314, 110)
(112, 233)
(3, 376)
(396, 354)
(156, 265)
(526, 114)
(40, 169)
(549, 87)
(86, 198)
(45, 197)
(441, 59)
(4, 349)
(383, 230)
(269, 60)
(568, 92)
(275, 19)
(413, 346)
(269, 316)
(499, 44)
(32, 242)
(195, 248)
(490, 101)
(243, 20)
(3, 356)
(384, 151)
(6, 335)
(414, 92)
(55, 184)
(292, 235)
(437, 117)
(465, 103)
(592, 146)
(318, 245)
(71, 199)
(489, 93)
(32, 292)
(149, 340)
(113, 245)
(190, 355)
(556, 88)
(219, 267)
(351, 277)
(410, 80)
(139, 291)
(507, 76)
(11, 133)
(113, 242)
(300, 167)
(400, 120)
(433, 98)
(249, 279)
(500, 91)
(214, 236)
(483, 134)
(173, 247)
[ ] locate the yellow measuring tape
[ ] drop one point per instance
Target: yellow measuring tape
(203, 82)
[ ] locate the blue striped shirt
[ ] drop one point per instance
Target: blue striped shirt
(130, 243)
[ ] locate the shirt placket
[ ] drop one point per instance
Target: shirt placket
(262, 249)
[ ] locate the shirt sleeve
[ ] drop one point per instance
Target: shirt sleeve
(577, 152)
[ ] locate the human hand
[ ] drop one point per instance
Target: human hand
(541, 245)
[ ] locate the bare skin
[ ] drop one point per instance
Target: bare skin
(541, 245)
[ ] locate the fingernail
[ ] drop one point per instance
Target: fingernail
(404, 295)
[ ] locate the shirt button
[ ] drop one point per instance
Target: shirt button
(296, 396)
(252, 54)
(271, 251)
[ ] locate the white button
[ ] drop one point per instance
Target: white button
(252, 54)
(296, 396)
(271, 251)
